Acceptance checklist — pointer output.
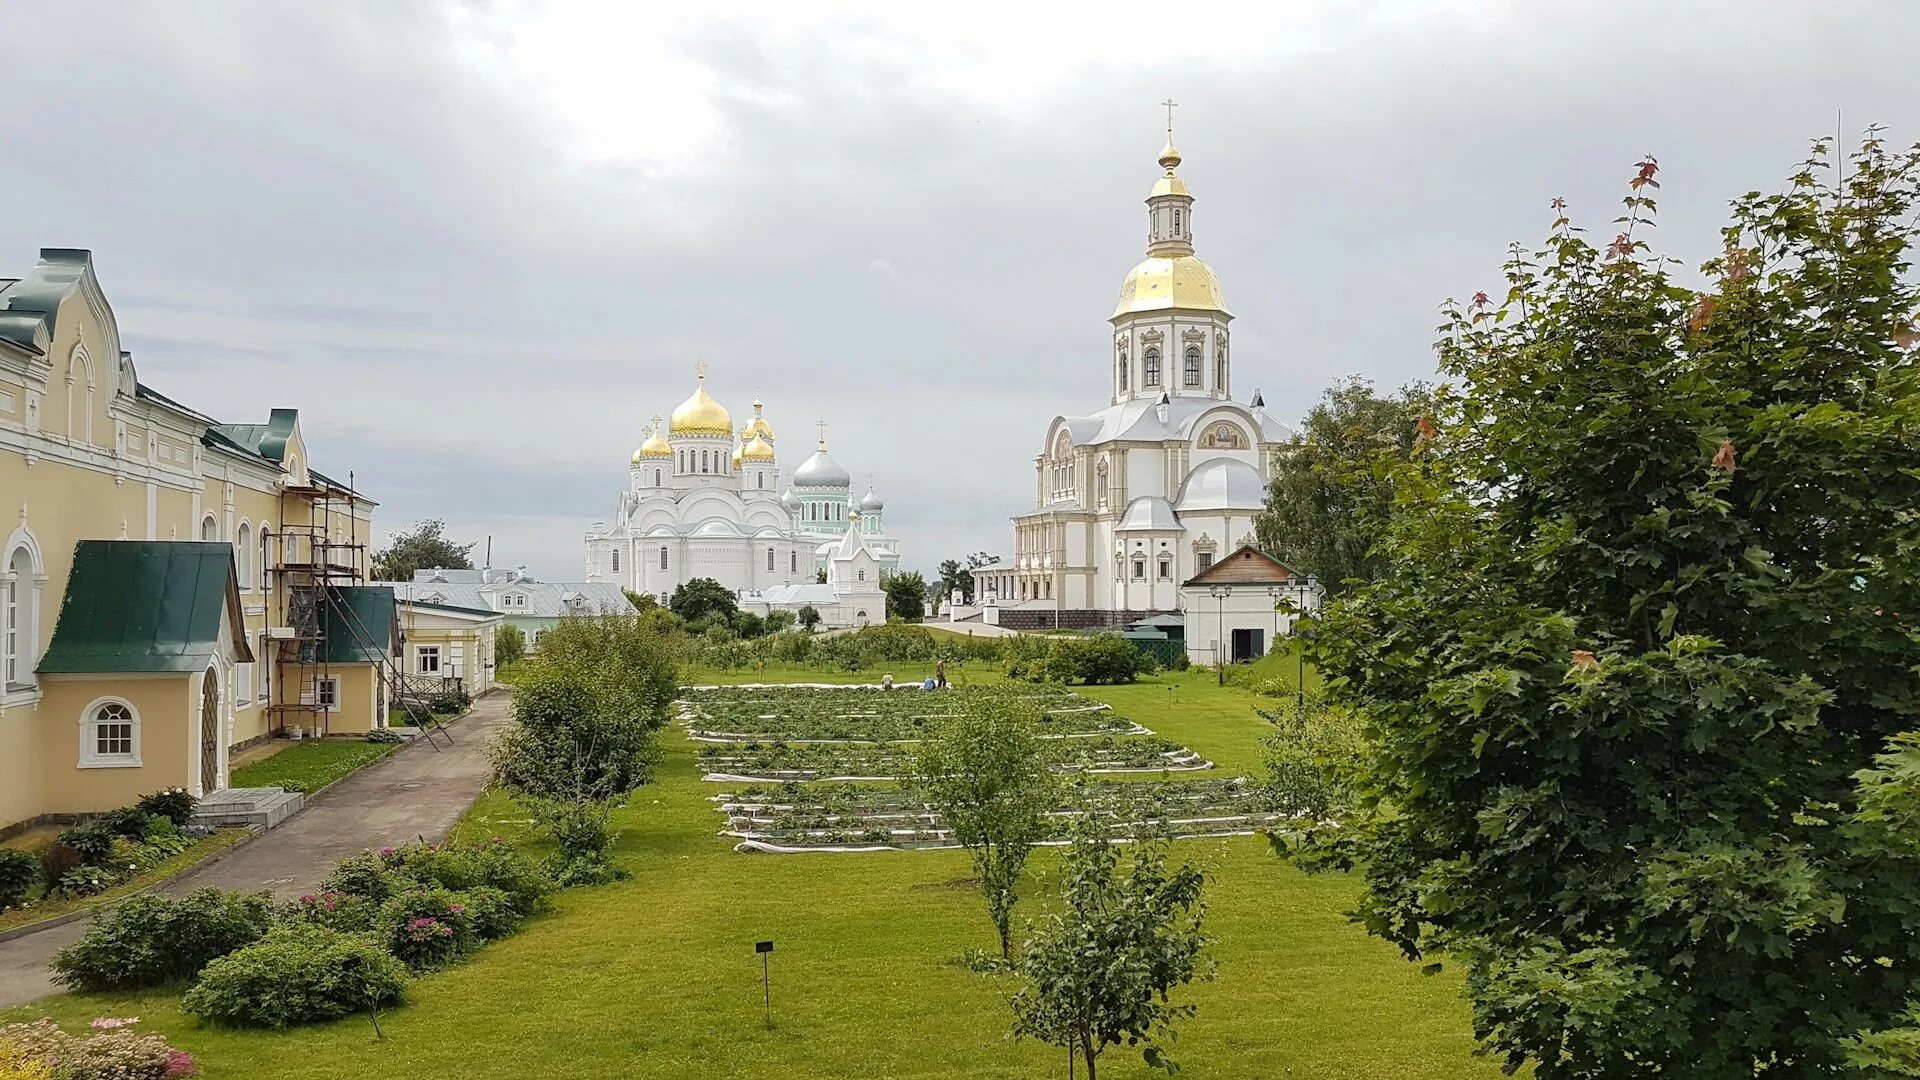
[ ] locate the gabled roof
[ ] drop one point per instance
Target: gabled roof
(1247, 566)
(146, 605)
(359, 624)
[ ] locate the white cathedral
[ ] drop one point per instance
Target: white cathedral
(1138, 497)
(706, 501)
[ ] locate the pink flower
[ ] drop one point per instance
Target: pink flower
(114, 1023)
(179, 1064)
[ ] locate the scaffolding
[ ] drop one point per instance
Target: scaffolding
(312, 564)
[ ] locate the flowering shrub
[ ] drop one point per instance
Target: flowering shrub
(340, 911)
(113, 1051)
(365, 874)
(461, 866)
(87, 880)
(176, 804)
(428, 927)
(299, 973)
(151, 940)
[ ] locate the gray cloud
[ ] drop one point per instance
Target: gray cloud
(332, 206)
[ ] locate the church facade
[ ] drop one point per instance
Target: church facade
(1133, 499)
(704, 500)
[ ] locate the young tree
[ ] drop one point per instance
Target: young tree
(906, 595)
(509, 645)
(423, 547)
(779, 621)
(808, 617)
(642, 602)
(987, 772)
(1101, 971)
(584, 737)
(954, 577)
(700, 598)
(1644, 639)
(1327, 504)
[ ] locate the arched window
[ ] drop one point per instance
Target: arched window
(110, 735)
(1123, 369)
(1151, 377)
(17, 633)
(862, 575)
(760, 480)
(266, 559)
(793, 562)
(769, 558)
(209, 528)
(1193, 367)
(616, 560)
(1176, 223)
(243, 556)
(663, 557)
(1220, 368)
(656, 478)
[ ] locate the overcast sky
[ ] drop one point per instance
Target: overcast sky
(479, 244)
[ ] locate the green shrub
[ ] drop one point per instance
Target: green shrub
(463, 866)
(491, 912)
(345, 912)
(383, 735)
(18, 871)
(297, 974)
(127, 821)
(90, 842)
(1096, 658)
(84, 880)
(365, 875)
(151, 940)
(176, 804)
(114, 1051)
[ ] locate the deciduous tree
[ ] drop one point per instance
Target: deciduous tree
(423, 547)
(1645, 639)
(906, 595)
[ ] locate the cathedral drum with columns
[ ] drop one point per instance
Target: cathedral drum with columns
(706, 501)
(1140, 496)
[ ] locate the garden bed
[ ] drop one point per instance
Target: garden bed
(794, 817)
(868, 714)
(773, 762)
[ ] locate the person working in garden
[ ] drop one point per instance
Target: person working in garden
(886, 681)
(940, 673)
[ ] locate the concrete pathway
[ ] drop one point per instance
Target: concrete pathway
(412, 793)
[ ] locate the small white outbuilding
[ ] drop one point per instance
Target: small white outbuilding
(1236, 608)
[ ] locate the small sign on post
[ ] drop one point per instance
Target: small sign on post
(765, 949)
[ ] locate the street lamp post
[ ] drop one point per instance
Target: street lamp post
(1220, 594)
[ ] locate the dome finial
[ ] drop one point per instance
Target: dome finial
(822, 425)
(1169, 156)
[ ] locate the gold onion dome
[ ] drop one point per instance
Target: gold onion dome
(736, 457)
(1169, 157)
(654, 446)
(700, 414)
(1180, 282)
(757, 449)
(758, 425)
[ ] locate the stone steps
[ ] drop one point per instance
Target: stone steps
(260, 808)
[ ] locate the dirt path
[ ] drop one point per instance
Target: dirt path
(410, 794)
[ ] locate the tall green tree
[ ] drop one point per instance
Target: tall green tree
(906, 595)
(509, 645)
(1101, 969)
(703, 598)
(1327, 503)
(987, 772)
(1644, 636)
(425, 546)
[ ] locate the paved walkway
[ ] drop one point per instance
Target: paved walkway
(412, 793)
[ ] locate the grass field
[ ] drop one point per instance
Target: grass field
(310, 764)
(656, 977)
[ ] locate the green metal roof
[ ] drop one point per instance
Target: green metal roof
(268, 440)
(146, 605)
(359, 624)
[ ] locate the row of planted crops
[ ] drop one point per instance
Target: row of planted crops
(817, 768)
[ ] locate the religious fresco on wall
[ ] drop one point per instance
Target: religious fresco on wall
(1223, 436)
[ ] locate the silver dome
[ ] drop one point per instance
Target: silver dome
(821, 471)
(1222, 484)
(871, 503)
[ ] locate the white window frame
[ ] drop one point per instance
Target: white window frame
(210, 524)
(243, 556)
(420, 655)
(90, 756)
(265, 656)
(243, 686)
(19, 620)
(332, 683)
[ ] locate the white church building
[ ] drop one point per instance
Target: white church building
(1133, 499)
(704, 500)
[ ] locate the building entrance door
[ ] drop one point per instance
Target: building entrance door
(1247, 644)
(210, 731)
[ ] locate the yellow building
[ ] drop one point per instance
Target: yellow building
(171, 588)
(448, 647)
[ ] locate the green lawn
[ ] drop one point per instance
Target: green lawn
(657, 978)
(310, 764)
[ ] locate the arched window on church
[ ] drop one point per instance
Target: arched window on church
(769, 559)
(1176, 223)
(1151, 377)
(705, 466)
(1193, 367)
(1122, 369)
(616, 560)
(1220, 368)
(663, 557)
(793, 562)
(656, 478)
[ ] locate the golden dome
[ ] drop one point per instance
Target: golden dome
(700, 414)
(654, 446)
(757, 449)
(1169, 157)
(1182, 283)
(736, 457)
(758, 425)
(1169, 185)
